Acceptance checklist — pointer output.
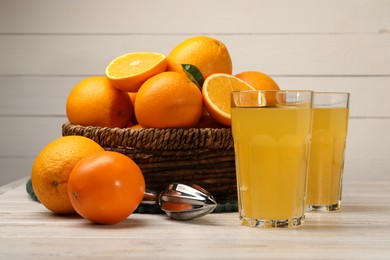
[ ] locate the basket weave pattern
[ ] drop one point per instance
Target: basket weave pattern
(202, 156)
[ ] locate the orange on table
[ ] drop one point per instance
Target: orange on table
(207, 54)
(258, 80)
(129, 71)
(168, 100)
(95, 102)
(216, 95)
(106, 187)
(52, 167)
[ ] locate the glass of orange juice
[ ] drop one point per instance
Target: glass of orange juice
(326, 163)
(271, 133)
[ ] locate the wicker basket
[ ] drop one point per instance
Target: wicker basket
(202, 156)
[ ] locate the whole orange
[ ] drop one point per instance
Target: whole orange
(261, 81)
(132, 96)
(168, 100)
(136, 127)
(95, 102)
(106, 187)
(52, 167)
(133, 120)
(258, 80)
(206, 121)
(207, 54)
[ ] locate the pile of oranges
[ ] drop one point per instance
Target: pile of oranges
(190, 87)
(74, 174)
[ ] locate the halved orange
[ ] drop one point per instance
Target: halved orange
(129, 71)
(216, 95)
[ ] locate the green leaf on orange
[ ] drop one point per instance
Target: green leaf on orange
(193, 74)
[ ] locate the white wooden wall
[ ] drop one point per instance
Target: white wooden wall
(47, 46)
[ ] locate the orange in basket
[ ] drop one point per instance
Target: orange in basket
(216, 95)
(258, 80)
(207, 54)
(129, 71)
(95, 102)
(168, 100)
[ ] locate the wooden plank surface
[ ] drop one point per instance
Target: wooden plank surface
(360, 231)
(48, 46)
(297, 54)
(202, 16)
(46, 95)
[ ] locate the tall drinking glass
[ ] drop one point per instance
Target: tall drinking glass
(271, 132)
(326, 164)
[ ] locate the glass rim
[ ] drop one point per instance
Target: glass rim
(332, 93)
(272, 91)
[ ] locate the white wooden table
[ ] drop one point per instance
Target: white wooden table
(360, 231)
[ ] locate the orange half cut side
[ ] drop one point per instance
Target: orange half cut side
(129, 71)
(216, 95)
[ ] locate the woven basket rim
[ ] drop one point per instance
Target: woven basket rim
(154, 138)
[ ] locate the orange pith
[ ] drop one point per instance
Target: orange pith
(129, 71)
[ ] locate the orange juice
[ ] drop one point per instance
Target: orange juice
(271, 149)
(327, 157)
